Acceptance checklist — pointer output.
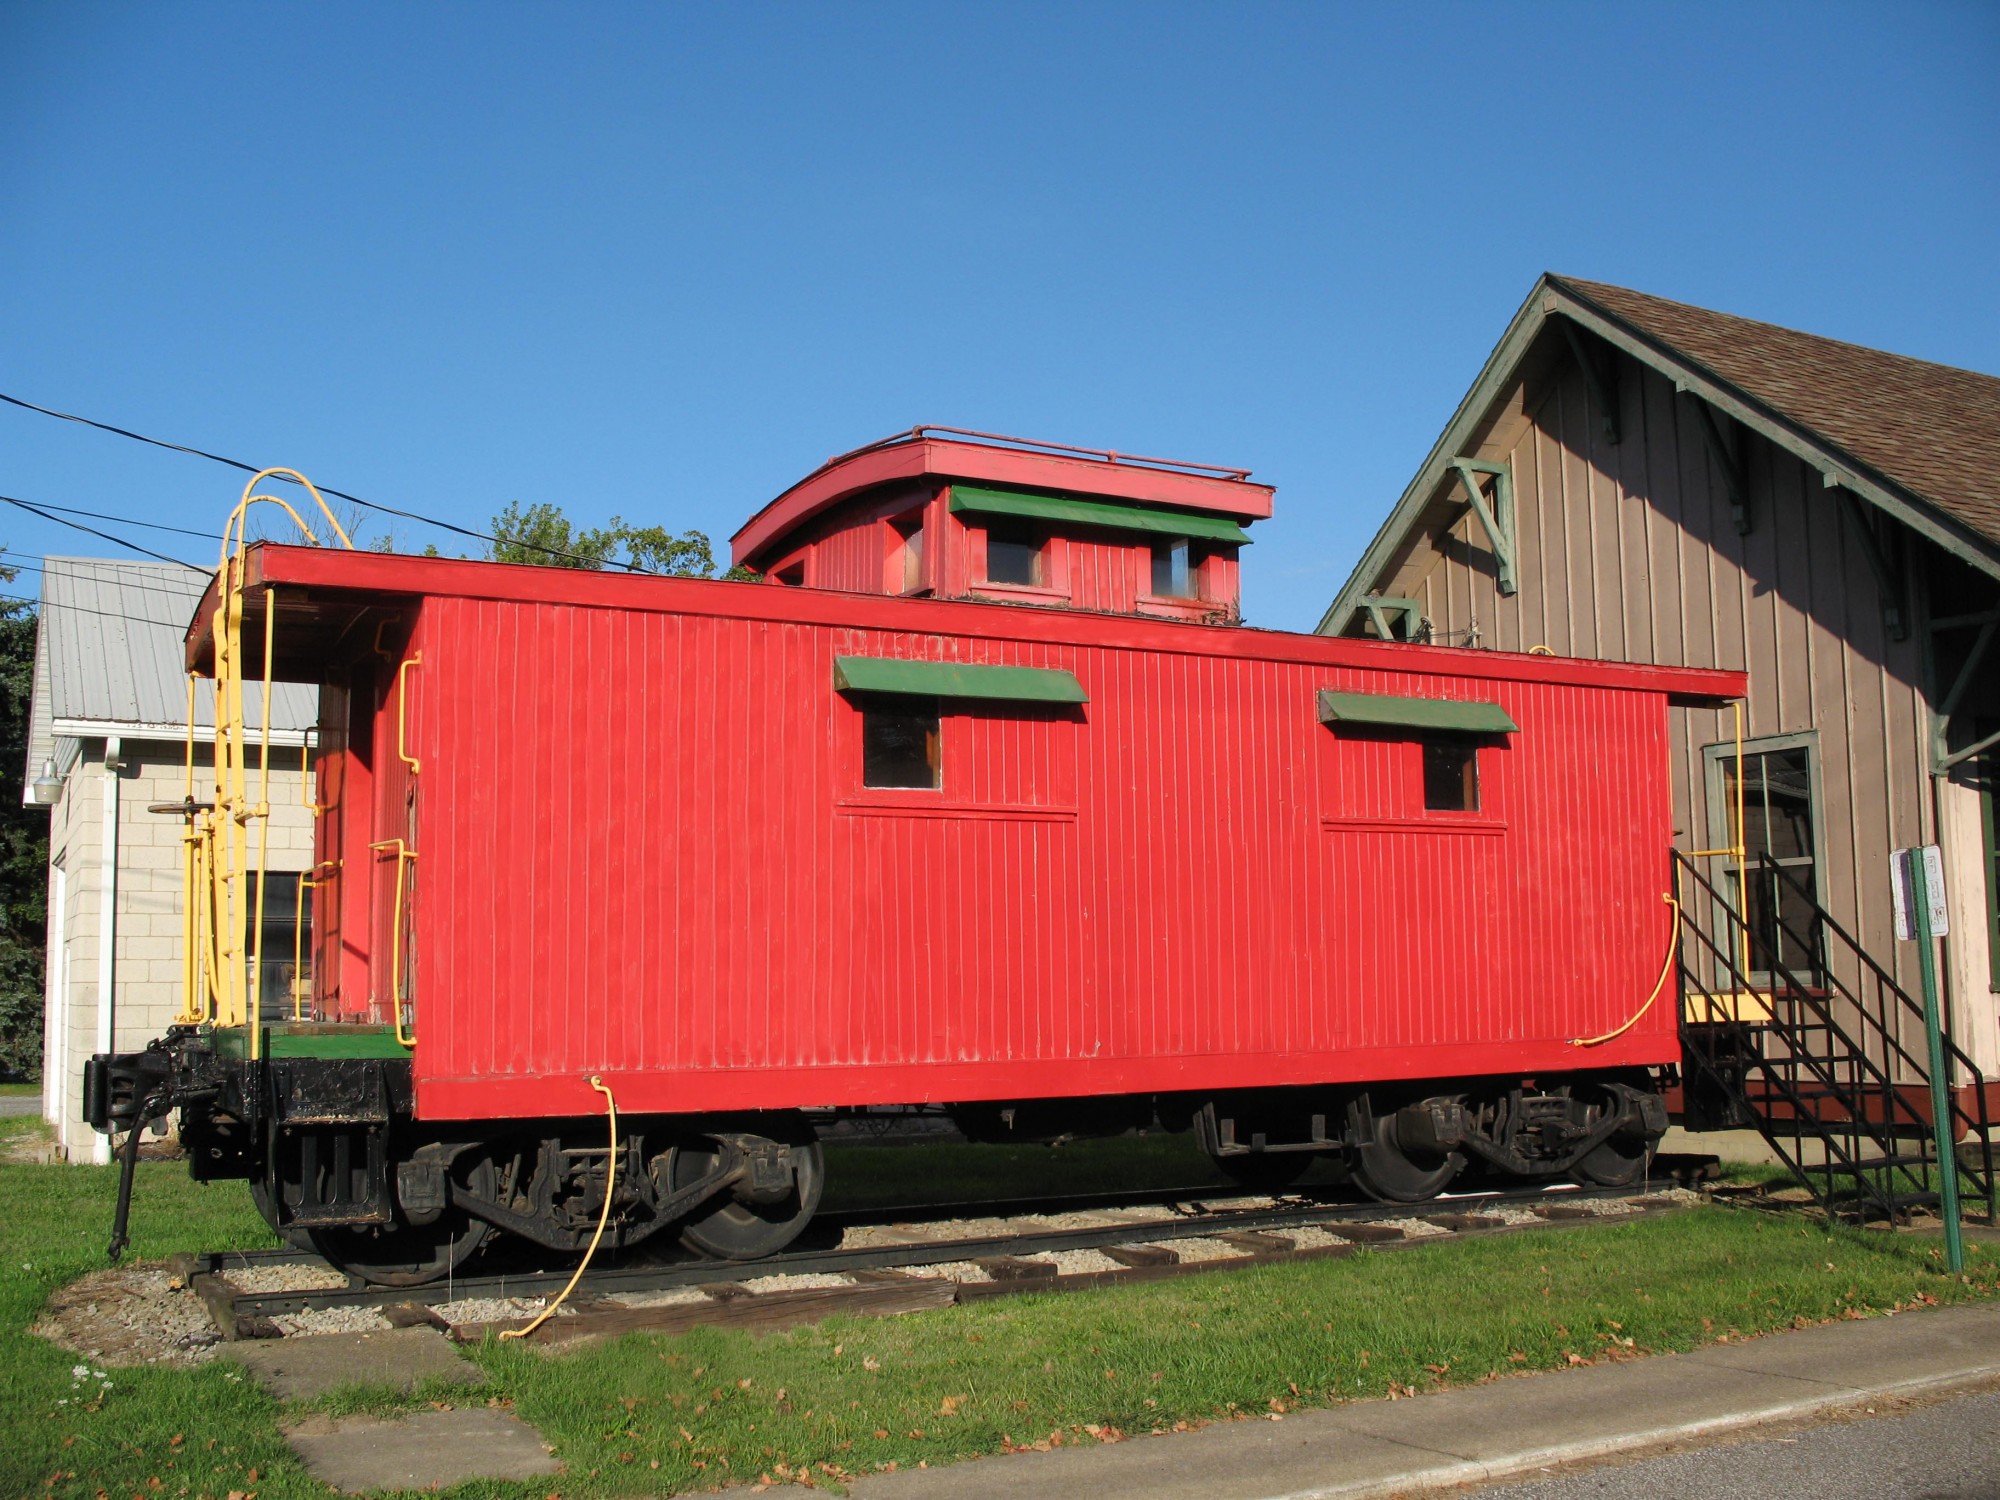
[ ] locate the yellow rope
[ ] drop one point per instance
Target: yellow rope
(1666, 968)
(603, 1217)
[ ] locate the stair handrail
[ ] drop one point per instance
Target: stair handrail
(1784, 990)
(1955, 1056)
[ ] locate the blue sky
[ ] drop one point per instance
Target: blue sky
(662, 260)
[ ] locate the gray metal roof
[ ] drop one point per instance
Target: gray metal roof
(108, 656)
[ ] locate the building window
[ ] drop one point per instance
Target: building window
(1013, 554)
(1175, 569)
(899, 745)
(1989, 817)
(1781, 819)
(284, 984)
(1451, 774)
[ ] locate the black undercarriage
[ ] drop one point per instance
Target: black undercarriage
(334, 1156)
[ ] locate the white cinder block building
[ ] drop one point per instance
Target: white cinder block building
(107, 750)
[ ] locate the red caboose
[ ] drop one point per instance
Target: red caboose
(747, 854)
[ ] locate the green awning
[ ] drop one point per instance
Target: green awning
(967, 500)
(1382, 710)
(952, 679)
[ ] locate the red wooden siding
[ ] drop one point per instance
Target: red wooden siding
(853, 548)
(645, 852)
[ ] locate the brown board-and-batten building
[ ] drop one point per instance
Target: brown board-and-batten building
(1662, 483)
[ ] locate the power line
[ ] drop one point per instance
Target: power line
(98, 515)
(387, 510)
(122, 581)
(80, 609)
(115, 541)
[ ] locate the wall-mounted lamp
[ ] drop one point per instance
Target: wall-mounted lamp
(47, 786)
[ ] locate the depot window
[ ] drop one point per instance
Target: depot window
(1780, 798)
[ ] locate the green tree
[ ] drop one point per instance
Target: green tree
(24, 854)
(543, 535)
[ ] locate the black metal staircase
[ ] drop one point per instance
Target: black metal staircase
(1789, 1027)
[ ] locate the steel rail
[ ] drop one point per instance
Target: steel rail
(1196, 1223)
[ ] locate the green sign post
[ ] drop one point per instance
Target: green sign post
(1920, 915)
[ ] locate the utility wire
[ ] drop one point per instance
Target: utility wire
(115, 541)
(98, 515)
(388, 510)
(124, 581)
(80, 609)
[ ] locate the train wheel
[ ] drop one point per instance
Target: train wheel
(1385, 1171)
(730, 1228)
(1265, 1171)
(405, 1254)
(291, 1234)
(1618, 1162)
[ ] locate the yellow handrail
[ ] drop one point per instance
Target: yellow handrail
(218, 866)
(402, 708)
(404, 854)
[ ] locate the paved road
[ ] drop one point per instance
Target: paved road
(20, 1104)
(1946, 1451)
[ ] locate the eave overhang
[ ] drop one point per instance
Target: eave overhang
(1553, 297)
(315, 581)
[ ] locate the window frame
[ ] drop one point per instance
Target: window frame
(1716, 761)
(1989, 846)
(909, 706)
(1039, 553)
(907, 572)
(1468, 774)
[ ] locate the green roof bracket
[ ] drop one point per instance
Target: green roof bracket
(1943, 757)
(1497, 519)
(1386, 711)
(1603, 387)
(967, 498)
(1730, 461)
(955, 679)
(1385, 611)
(1887, 570)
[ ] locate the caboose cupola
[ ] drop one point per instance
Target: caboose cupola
(943, 513)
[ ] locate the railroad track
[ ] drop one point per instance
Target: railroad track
(1135, 1231)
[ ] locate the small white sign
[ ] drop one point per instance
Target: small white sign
(1902, 891)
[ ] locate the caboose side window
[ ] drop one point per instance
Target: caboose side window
(1451, 774)
(1174, 569)
(899, 745)
(908, 574)
(1013, 554)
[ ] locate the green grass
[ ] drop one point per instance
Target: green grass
(20, 1090)
(710, 1407)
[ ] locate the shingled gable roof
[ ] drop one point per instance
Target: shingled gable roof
(1920, 440)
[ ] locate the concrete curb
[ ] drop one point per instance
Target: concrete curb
(1639, 1444)
(1478, 1434)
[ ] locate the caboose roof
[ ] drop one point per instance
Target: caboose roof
(948, 454)
(325, 595)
